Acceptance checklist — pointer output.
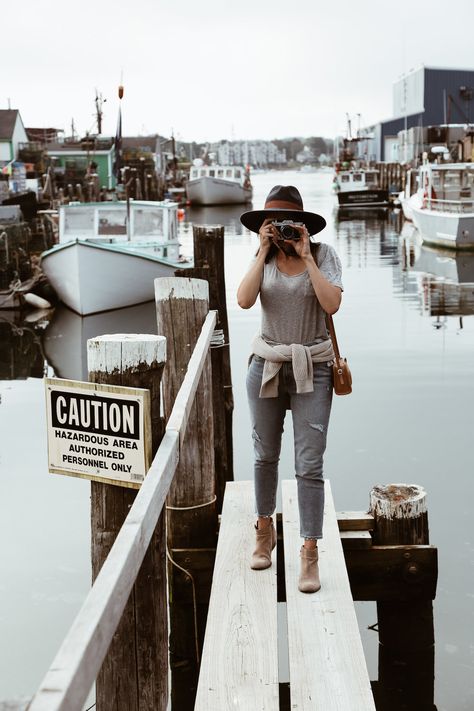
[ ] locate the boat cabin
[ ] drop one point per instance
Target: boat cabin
(350, 180)
(112, 222)
(447, 188)
(224, 172)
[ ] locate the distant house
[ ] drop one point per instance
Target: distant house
(12, 132)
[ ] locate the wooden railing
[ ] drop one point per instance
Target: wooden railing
(78, 661)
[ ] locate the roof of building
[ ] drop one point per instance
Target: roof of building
(140, 142)
(7, 123)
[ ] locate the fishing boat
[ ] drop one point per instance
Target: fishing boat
(359, 187)
(109, 253)
(443, 206)
(218, 185)
(355, 183)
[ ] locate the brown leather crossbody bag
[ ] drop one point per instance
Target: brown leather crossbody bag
(341, 370)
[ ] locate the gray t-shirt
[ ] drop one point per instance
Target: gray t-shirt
(291, 312)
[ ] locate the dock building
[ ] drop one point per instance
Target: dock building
(427, 97)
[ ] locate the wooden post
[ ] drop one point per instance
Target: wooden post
(182, 305)
(406, 633)
(134, 675)
(209, 264)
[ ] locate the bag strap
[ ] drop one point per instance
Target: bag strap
(330, 323)
(332, 333)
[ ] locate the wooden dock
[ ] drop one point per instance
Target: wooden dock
(239, 667)
(382, 555)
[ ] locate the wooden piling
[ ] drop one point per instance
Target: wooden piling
(406, 632)
(182, 304)
(208, 249)
(134, 675)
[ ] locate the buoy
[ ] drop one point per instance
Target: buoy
(181, 214)
(36, 301)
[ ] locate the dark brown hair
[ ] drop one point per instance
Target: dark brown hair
(314, 246)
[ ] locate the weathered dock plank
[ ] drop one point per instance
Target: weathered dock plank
(328, 671)
(239, 667)
(355, 521)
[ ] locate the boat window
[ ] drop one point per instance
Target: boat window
(228, 173)
(237, 173)
(212, 173)
(112, 222)
(370, 178)
(203, 172)
(78, 221)
(357, 177)
(194, 173)
(220, 173)
(344, 178)
(147, 223)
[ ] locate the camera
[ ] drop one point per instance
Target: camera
(287, 229)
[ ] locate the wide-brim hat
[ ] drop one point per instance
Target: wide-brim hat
(284, 202)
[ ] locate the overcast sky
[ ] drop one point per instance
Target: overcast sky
(212, 69)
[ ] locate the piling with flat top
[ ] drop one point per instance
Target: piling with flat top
(134, 675)
(208, 251)
(406, 632)
(182, 305)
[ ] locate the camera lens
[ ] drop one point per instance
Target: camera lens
(289, 232)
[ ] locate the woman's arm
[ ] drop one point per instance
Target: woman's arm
(329, 295)
(250, 285)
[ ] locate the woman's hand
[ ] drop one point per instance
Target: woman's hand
(302, 245)
(266, 234)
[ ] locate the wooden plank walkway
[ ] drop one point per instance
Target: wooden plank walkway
(239, 667)
(328, 671)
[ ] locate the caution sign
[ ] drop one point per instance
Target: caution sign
(99, 432)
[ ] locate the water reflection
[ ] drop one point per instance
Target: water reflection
(21, 354)
(372, 232)
(65, 338)
(227, 215)
(445, 278)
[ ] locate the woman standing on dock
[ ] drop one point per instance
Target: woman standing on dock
(291, 364)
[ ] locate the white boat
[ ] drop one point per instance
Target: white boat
(443, 206)
(109, 253)
(359, 187)
(218, 185)
(407, 199)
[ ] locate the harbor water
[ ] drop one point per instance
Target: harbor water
(406, 325)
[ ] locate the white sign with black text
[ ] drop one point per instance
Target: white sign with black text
(98, 432)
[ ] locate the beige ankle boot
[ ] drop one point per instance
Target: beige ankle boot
(309, 576)
(266, 542)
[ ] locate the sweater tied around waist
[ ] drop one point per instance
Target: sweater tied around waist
(302, 358)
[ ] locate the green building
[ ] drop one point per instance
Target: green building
(71, 160)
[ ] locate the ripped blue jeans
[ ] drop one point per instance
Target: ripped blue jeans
(310, 413)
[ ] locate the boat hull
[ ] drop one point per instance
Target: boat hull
(216, 191)
(452, 230)
(90, 278)
(362, 198)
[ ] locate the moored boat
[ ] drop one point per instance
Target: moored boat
(359, 187)
(110, 253)
(443, 206)
(218, 185)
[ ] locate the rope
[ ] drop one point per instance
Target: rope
(190, 508)
(186, 572)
